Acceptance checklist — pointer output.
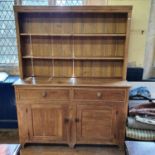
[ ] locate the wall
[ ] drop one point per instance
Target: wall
(139, 27)
(12, 70)
(96, 2)
(149, 63)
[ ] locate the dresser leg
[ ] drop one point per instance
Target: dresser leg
(22, 145)
(72, 145)
(122, 147)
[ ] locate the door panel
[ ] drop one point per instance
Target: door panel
(96, 124)
(48, 122)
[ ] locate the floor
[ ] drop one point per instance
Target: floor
(65, 150)
(11, 137)
(133, 147)
(8, 136)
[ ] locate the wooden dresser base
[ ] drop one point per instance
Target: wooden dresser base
(72, 115)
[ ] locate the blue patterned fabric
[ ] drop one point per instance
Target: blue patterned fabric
(137, 93)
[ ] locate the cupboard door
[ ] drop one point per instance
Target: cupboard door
(48, 123)
(96, 123)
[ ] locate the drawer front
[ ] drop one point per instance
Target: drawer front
(108, 94)
(43, 94)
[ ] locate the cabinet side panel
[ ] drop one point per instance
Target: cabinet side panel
(19, 44)
(23, 123)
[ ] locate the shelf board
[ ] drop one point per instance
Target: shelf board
(47, 58)
(75, 35)
(73, 58)
(72, 81)
(98, 58)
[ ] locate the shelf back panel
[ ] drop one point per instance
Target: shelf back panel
(99, 47)
(107, 69)
(40, 68)
(80, 23)
(63, 68)
(41, 46)
(73, 47)
(62, 47)
(43, 68)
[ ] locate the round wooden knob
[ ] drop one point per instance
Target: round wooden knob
(44, 94)
(99, 94)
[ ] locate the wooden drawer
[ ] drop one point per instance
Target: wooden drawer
(100, 94)
(43, 94)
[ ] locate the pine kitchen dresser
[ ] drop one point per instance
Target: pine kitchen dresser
(72, 63)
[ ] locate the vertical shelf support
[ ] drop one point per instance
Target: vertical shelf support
(31, 50)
